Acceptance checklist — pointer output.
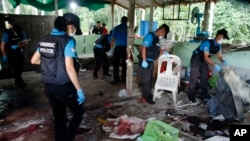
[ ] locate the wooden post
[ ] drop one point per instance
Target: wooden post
(112, 13)
(206, 17)
(130, 45)
(151, 16)
(56, 7)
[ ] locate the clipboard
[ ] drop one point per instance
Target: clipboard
(27, 40)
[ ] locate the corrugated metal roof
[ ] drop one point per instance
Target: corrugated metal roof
(157, 3)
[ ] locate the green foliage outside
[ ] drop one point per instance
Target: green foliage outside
(230, 14)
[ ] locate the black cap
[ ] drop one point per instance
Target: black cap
(223, 32)
(73, 19)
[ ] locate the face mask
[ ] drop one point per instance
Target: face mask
(72, 34)
(160, 37)
(220, 41)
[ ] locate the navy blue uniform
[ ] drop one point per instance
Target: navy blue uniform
(11, 38)
(151, 42)
(120, 52)
(199, 66)
(58, 87)
(100, 55)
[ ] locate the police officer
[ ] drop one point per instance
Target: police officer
(12, 45)
(119, 39)
(200, 60)
(102, 45)
(56, 56)
(150, 51)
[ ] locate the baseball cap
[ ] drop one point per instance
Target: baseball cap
(223, 32)
(73, 19)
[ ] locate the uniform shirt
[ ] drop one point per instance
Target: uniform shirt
(70, 47)
(120, 34)
(205, 46)
(148, 40)
(5, 39)
(97, 30)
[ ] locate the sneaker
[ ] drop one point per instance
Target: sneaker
(82, 69)
(150, 101)
(193, 102)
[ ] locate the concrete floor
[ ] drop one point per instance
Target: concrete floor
(27, 116)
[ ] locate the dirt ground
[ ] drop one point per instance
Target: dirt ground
(27, 115)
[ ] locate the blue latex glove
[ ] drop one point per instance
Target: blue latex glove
(81, 96)
(217, 68)
(224, 63)
(144, 64)
(14, 46)
(165, 53)
(4, 59)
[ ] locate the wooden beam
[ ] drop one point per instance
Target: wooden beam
(158, 4)
(140, 6)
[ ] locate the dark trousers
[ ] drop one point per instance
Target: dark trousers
(119, 57)
(59, 97)
(101, 58)
(146, 80)
(16, 62)
(198, 68)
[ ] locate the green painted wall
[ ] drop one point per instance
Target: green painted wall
(238, 59)
(85, 44)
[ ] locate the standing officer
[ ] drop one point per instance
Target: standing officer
(102, 45)
(57, 58)
(150, 51)
(12, 45)
(119, 39)
(200, 60)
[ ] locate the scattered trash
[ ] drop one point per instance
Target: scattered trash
(124, 127)
(203, 126)
(217, 138)
(123, 93)
(158, 130)
(21, 132)
(219, 117)
(100, 93)
(107, 104)
(141, 100)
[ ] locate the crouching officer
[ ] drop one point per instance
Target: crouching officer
(200, 60)
(56, 56)
(150, 52)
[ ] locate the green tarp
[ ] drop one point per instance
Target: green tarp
(49, 5)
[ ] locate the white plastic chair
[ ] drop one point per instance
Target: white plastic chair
(169, 79)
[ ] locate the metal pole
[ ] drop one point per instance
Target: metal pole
(130, 45)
